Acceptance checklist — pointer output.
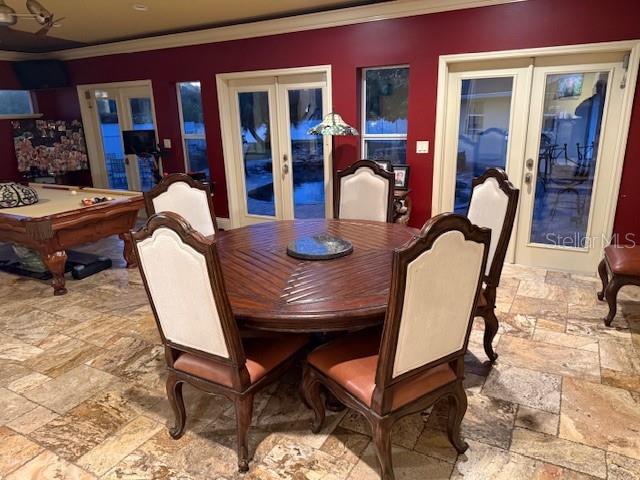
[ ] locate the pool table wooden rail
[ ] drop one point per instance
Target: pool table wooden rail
(51, 235)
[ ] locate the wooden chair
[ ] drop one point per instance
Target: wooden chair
(623, 263)
(419, 359)
(181, 194)
(363, 191)
(183, 279)
(493, 204)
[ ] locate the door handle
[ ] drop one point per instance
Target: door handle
(529, 163)
(285, 165)
(527, 178)
(285, 168)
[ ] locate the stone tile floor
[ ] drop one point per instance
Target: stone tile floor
(82, 397)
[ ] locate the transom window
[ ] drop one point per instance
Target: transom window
(384, 113)
(15, 103)
(192, 124)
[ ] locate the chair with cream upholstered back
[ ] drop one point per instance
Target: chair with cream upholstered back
(419, 358)
(493, 204)
(183, 279)
(363, 191)
(181, 194)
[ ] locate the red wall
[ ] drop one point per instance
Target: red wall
(58, 104)
(417, 41)
(8, 162)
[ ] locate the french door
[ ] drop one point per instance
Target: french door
(280, 171)
(114, 110)
(551, 123)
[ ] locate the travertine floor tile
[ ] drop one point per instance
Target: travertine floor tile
(566, 340)
(71, 388)
(622, 468)
(107, 409)
(548, 358)
(601, 416)
(543, 422)
(15, 450)
(49, 466)
(13, 406)
(32, 420)
(526, 387)
(551, 449)
(406, 465)
(115, 448)
(483, 462)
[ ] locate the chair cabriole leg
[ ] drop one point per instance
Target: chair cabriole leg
(381, 429)
(244, 412)
(457, 409)
(490, 330)
(174, 394)
(312, 388)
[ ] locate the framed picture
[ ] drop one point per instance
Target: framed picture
(570, 86)
(385, 165)
(402, 176)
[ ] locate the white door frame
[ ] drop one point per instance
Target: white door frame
(449, 63)
(92, 135)
(227, 124)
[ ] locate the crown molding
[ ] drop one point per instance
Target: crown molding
(8, 56)
(311, 21)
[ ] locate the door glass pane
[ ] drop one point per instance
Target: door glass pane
(483, 132)
(112, 141)
(256, 152)
(141, 113)
(307, 162)
(573, 106)
(142, 119)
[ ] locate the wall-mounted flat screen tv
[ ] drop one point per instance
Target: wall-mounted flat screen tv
(139, 142)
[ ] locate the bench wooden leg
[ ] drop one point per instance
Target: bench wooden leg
(611, 295)
(604, 277)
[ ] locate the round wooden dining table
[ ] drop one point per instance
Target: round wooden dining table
(270, 290)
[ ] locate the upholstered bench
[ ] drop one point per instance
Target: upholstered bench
(622, 262)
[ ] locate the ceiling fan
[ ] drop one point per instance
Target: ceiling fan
(37, 12)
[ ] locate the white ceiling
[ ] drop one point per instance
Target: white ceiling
(100, 21)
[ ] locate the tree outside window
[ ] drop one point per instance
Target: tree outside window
(384, 115)
(192, 123)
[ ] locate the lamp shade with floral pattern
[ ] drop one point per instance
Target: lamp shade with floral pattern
(334, 125)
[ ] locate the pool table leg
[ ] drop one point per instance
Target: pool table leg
(128, 253)
(55, 262)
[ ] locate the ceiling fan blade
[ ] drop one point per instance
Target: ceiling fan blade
(44, 30)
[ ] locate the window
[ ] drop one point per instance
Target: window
(384, 114)
(192, 121)
(15, 103)
(475, 119)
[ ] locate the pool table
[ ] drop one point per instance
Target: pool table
(59, 221)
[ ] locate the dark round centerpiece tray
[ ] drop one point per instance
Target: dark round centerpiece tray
(319, 247)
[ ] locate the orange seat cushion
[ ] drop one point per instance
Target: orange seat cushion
(262, 354)
(623, 260)
(351, 361)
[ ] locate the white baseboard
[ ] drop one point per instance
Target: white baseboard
(223, 223)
